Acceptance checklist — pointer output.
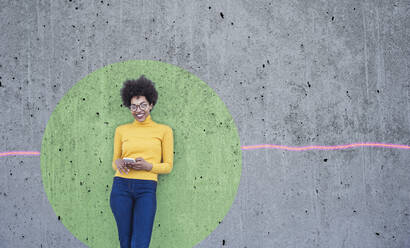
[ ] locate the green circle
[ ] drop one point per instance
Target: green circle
(77, 150)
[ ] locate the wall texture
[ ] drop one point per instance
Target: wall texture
(290, 72)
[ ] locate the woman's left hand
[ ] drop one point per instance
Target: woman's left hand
(141, 164)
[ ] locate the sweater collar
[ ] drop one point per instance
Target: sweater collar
(147, 122)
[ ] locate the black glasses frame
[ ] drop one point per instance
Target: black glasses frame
(139, 106)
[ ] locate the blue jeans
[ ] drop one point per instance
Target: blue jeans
(134, 203)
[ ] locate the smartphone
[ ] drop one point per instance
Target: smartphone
(129, 160)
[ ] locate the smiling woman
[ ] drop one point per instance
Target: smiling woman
(77, 151)
(149, 147)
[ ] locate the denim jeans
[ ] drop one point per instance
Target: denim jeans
(134, 203)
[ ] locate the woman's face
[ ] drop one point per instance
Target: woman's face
(140, 113)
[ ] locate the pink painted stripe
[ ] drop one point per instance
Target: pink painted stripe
(302, 148)
(24, 153)
(253, 147)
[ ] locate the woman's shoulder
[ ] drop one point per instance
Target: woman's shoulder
(123, 126)
(164, 127)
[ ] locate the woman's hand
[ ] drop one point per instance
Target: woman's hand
(141, 164)
(122, 166)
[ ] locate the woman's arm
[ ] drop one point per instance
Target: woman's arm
(167, 154)
(117, 148)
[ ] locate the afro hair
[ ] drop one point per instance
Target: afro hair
(140, 87)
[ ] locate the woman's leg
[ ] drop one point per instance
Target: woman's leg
(121, 203)
(143, 219)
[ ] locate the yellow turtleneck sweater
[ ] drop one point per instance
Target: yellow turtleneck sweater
(149, 140)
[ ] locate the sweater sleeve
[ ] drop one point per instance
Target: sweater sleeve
(167, 154)
(117, 148)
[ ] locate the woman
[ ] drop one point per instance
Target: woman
(133, 196)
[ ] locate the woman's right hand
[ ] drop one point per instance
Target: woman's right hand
(122, 166)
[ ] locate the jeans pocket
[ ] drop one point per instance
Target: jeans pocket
(152, 187)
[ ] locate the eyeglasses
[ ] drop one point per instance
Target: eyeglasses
(143, 106)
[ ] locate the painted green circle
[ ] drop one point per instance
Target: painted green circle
(77, 150)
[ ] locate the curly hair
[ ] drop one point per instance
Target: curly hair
(140, 87)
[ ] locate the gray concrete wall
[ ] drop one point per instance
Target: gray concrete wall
(290, 72)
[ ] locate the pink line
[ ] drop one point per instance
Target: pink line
(24, 153)
(253, 147)
(323, 147)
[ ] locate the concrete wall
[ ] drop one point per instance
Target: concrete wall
(290, 72)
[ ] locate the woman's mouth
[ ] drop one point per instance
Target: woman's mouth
(140, 115)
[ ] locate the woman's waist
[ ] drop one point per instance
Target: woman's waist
(134, 185)
(138, 174)
(133, 180)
